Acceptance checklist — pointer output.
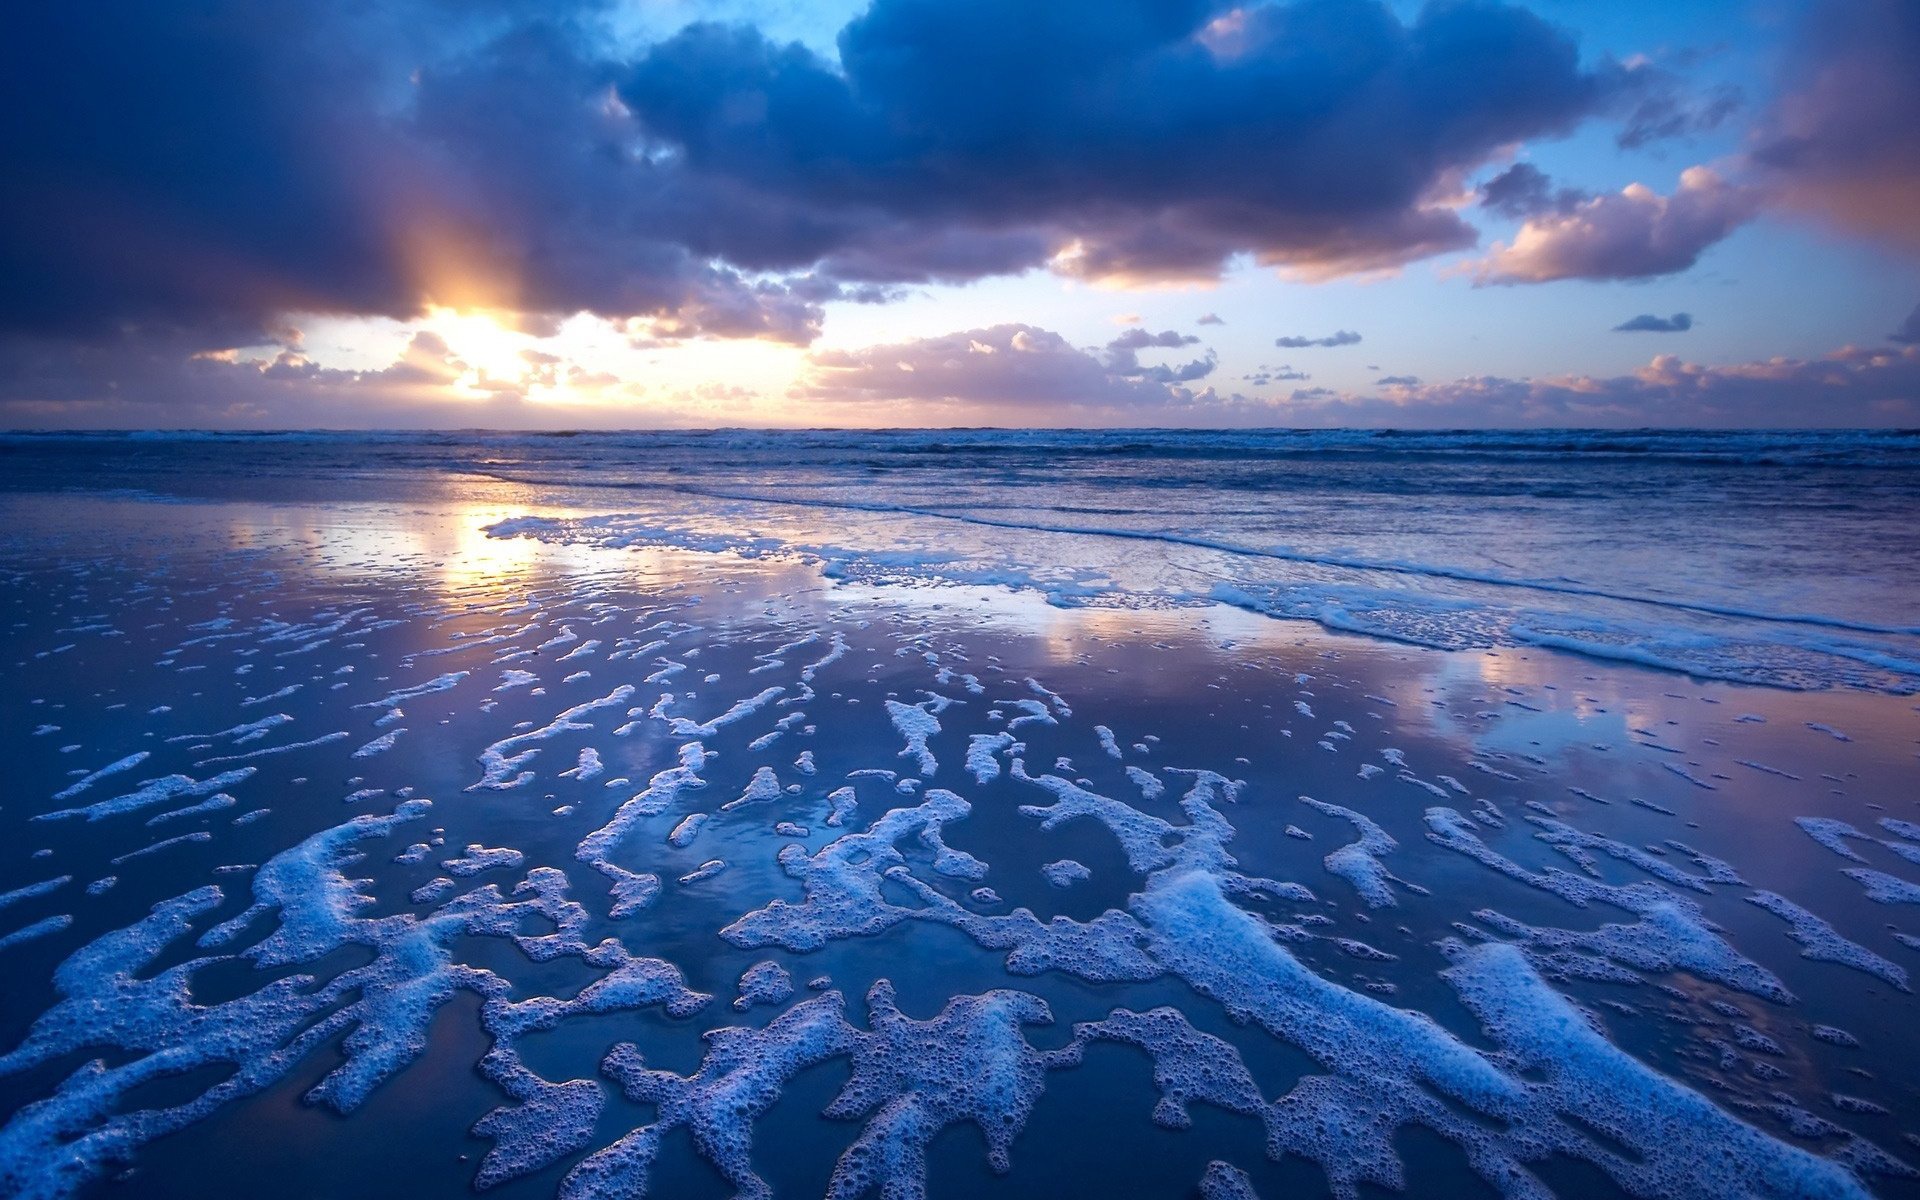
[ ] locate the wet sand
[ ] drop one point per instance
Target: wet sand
(1407, 829)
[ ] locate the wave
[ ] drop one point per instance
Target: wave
(1277, 553)
(1795, 554)
(1709, 641)
(1898, 449)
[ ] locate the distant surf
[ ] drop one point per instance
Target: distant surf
(1788, 559)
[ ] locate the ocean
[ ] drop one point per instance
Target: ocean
(944, 813)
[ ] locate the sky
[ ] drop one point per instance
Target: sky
(696, 213)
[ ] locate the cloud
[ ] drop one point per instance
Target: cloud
(178, 186)
(1839, 141)
(1635, 233)
(1343, 337)
(1851, 387)
(1013, 372)
(144, 381)
(211, 174)
(190, 181)
(1524, 190)
(1649, 323)
(1016, 375)
(1134, 141)
(1210, 319)
(1123, 357)
(1268, 375)
(1668, 112)
(1909, 331)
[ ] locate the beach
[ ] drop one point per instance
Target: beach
(943, 813)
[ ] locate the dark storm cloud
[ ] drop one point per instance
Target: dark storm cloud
(173, 164)
(1649, 323)
(1143, 140)
(1342, 337)
(211, 166)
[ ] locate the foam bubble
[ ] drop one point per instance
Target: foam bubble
(1884, 888)
(1065, 873)
(499, 767)
(688, 829)
(764, 786)
(152, 792)
(1224, 1181)
(916, 723)
(765, 982)
(1359, 862)
(1683, 1144)
(983, 750)
(113, 768)
(480, 858)
(1823, 943)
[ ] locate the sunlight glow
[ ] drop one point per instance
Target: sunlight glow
(608, 371)
(495, 356)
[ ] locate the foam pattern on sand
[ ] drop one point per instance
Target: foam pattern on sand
(1423, 955)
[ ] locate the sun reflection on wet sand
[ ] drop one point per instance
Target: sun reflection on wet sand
(529, 700)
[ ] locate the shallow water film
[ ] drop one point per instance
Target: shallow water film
(952, 815)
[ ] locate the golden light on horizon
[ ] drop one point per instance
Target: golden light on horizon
(594, 365)
(495, 354)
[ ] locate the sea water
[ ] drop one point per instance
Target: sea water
(948, 813)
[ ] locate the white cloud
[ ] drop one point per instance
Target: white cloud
(1635, 233)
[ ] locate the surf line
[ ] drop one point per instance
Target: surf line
(1277, 553)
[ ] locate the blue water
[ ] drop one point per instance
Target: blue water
(1790, 559)
(948, 814)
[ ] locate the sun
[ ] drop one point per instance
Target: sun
(494, 353)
